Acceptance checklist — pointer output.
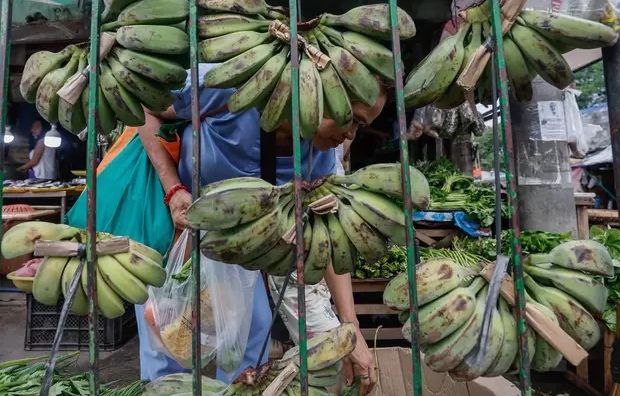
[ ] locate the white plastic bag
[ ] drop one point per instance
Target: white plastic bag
(574, 124)
(595, 10)
(226, 302)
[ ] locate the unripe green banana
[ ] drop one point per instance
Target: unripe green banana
(239, 69)
(146, 251)
(343, 251)
(372, 20)
(224, 47)
(80, 302)
(434, 74)
(105, 117)
(275, 109)
(150, 66)
(531, 348)
(151, 12)
(510, 344)
(236, 182)
(448, 353)
(19, 240)
(47, 94)
(577, 32)
(545, 357)
(335, 96)
(377, 210)
(386, 179)
(359, 81)
(126, 106)
(248, 7)
(109, 303)
(39, 65)
(152, 95)
(259, 87)
(158, 39)
(311, 90)
(228, 207)
(220, 24)
(319, 255)
(574, 319)
(142, 267)
(588, 290)
(71, 116)
(518, 73)
(368, 242)
(113, 8)
(542, 56)
(123, 282)
(46, 287)
(371, 53)
(587, 256)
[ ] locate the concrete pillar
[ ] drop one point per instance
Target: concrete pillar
(545, 192)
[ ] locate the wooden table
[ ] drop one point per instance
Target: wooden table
(60, 194)
(583, 202)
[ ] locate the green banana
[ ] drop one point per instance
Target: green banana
(146, 251)
(46, 287)
(542, 56)
(248, 7)
(545, 357)
(142, 267)
(275, 109)
(47, 94)
(224, 47)
(239, 69)
(433, 75)
(386, 179)
(372, 20)
(71, 117)
(150, 66)
(311, 90)
(335, 96)
(510, 344)
(368, 242)
(105, 117)
(113, 8)
(587, 256)
(371, 53)
(126, 106)
(153, 96)
(158, 39)
(123, 282)
(343, 251)
(109, 303)
(80, 302)
(359, 81)
(518, 73)
(586, 289)
(221, 24)
(259, 87)
(39, 65)
(151, 12)
(319, 254)
(19, 240)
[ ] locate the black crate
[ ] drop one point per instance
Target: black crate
(42, 320)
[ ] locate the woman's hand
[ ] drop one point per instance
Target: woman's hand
(179, 203)
(361, 363)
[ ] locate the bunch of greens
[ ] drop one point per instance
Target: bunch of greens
(387, 267)
(531, 242)
(461, 257)
(610, 238)
(452, 190)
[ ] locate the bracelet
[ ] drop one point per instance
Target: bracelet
(175, 189)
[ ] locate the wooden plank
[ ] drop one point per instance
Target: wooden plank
(28, 215)
(583, 223)
(368, 285)
(584, 199)
(422, 237)
(393, 333)
(610, 214)
(608, 341)
(371, 309)
(581, 384)
(582, 372)
(436, 232)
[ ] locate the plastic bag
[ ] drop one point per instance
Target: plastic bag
(180, 384)
(226, 302)
(595, 10)
(574, 125)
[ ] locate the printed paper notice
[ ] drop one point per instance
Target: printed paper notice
(552, 121)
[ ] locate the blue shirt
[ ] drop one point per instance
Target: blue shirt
(230, 142)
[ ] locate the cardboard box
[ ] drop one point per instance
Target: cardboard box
(395, 368)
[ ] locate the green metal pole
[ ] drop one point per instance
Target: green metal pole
(196, 181)
(299, 229)
(513, 204)
(5, 55)
(408, 206)
(91, 185)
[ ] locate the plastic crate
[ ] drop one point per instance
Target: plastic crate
(42, 320)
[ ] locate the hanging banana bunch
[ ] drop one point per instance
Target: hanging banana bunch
(250, 222)
(341, 57)
(564, 285)
(534, 42)
(141, 44)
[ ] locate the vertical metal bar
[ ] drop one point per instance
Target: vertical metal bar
(496, 164)
(299, 229)
(408, 205)
(196, 181)
(611, 65)
(91, 185)
(5, 56)
(513, 204)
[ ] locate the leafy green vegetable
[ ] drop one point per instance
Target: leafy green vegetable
(608, 237)
(387, 267)
(609, 317)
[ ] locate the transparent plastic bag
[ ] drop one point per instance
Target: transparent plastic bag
(574, 125)
(226, 302)
(595, 10)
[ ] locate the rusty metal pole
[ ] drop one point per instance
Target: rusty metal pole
(611, 65)
(5, 54)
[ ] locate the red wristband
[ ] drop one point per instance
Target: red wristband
(173, 190)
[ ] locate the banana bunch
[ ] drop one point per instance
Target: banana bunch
(255, 58)
(533, 46)
(250, 222)
(140, 69)
(120, 277)
(564, 285)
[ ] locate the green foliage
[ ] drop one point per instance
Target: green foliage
(387, 267)
(610, 238)
(591, 82)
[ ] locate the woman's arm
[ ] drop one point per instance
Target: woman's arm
(36, 157)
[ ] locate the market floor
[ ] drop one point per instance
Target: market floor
(121, 365)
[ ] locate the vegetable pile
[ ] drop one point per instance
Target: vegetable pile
(610, 238)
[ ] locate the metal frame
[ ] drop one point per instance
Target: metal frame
(498, 65)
